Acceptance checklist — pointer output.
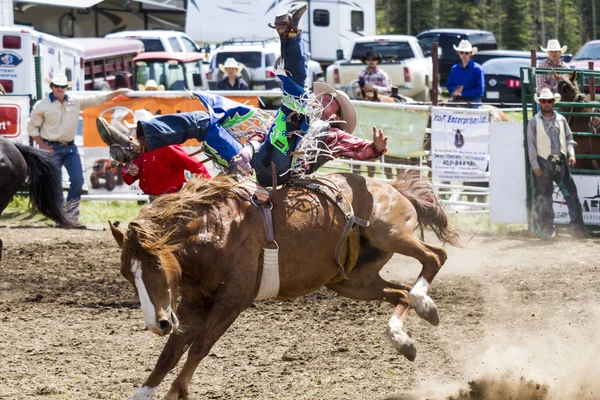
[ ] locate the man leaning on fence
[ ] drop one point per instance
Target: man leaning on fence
(554, 61)
(551, 153)
(53, 126)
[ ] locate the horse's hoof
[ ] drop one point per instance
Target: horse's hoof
(401, 341)
(408, 350)
(425, 308)
(432, 316)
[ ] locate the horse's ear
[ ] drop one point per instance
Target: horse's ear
(555, 75)
(117, 233)
(574, 77)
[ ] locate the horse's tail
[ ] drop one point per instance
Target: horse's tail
(430, 210)
(45, 185)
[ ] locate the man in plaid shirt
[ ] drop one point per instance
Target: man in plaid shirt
(374, 76)
(554, 61)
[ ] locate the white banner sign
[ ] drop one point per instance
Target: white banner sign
(588, 189)
(460, 144)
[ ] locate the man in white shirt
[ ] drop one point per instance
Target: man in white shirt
(53, 126)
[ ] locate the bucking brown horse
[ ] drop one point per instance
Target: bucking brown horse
(569, 91)
(206, 244)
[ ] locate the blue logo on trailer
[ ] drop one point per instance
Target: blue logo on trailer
(9, 59)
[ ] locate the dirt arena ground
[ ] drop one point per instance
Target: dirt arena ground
(519, 318)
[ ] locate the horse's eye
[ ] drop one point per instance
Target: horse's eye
(156, 267)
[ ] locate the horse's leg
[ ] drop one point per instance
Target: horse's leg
(227, 306)
(431, 257)
(190, 318)
(364, 283)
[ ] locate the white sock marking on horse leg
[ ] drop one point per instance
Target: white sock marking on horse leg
(147, 308)
(144, 393)
(421, 302)
(395, 331)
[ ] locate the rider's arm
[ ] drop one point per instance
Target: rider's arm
(129, 179)
(344, 144)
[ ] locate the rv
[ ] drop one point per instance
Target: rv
(19, 61)
(329, 25)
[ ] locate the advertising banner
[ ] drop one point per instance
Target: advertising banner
(14, 115)
(405, 127)
(102, 174)
(460, 144)
(588, 189)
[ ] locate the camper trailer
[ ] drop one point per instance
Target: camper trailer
(329, 25)
(20, 49)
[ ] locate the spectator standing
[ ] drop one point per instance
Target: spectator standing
(232, 80)
(554, 61)
(374, 76)
(551, 153)
(53, 126)
(151, 86)
(466, 80)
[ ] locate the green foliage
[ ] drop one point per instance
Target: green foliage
(517, 24)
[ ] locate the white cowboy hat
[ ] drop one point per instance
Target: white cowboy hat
(231, 63)
(139, 115)
(59, 79)
(347, 111)
(554, 45)
(150, 83)
(465, 46)
(546, 94)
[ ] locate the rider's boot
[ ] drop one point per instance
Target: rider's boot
(287, 24)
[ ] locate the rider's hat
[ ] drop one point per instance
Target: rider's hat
(347, 111)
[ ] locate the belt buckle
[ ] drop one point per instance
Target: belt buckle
(555, 159)
(63, 143)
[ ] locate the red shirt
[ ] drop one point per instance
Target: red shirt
(163, 170)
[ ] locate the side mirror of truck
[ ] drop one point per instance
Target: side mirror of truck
(197, 79)
(339, 54)
(427, 53)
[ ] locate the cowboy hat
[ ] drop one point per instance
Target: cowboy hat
(554, 45)
(347, 111)
(150, 84)
(139, 115)
(59, 79)
(465, 46)
(546, 94)
(371, 54)
(231, 63)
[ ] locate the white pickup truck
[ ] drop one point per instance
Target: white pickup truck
(403, 60)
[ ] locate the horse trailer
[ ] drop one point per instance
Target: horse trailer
(329, 25)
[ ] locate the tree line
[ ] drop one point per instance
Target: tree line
(517, 24)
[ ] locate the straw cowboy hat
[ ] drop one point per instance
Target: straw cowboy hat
(150, 84)
(231, 63)
(347, 111)
(139, 115)
(554, 45)
(466, 46)
(371, 54)
(59, 79)
(546, 94)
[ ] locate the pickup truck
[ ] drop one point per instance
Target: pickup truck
(403, 60)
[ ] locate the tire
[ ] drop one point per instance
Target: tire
(102, 86)
(110, 181)
(95, 182)
(119, 174)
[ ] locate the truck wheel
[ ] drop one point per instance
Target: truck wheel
(110, 181)
(95, 182)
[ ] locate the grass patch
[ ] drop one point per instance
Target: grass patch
(92, 212)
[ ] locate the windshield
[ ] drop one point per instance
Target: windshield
(168, 73)
(250, 59)
(390, 51)
(505, 66)
(152, 44)
(588, 52)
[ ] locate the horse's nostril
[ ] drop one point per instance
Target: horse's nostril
(165, 325)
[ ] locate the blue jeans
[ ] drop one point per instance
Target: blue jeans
(295, 63)
(166, 130)
(542, 201)
(68, 156)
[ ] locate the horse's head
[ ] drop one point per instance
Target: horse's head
(155, 277)
(369, 93)
(567, 87)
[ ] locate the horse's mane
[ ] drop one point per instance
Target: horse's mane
(157, 228)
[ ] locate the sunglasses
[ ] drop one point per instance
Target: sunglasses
(370, 59)
(60, 87)
(547, 101)
(462, 53)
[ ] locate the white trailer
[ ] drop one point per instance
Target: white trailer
(18, 50)
(329, 25)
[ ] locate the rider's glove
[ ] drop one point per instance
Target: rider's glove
(244, 157)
